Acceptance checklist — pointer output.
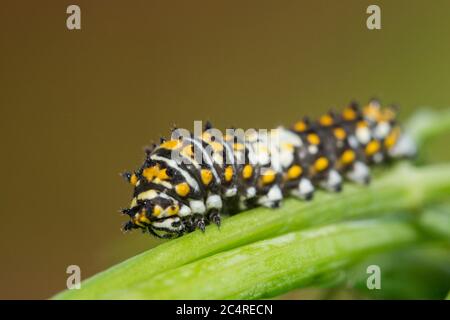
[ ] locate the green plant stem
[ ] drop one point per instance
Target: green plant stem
(289, 261)
(405, 187)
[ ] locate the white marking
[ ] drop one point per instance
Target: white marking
(333, 181)
(313, 149)
(286, 158)
(166, 184)
(251, 136)
(405, 147)
(382, 130)
(166, 196)
(360, 172)
(218, 158)
(353, 142)
(230, 192)
(252, 157)
(167, 224)
(251, 192)
(197, 206)
(214, 201)
(305, 186)
(184, 211)
(363, 135)
(287, 136)
(334, 178)
(263, 157)
(272, 196)
(378, 157)
(275, 193)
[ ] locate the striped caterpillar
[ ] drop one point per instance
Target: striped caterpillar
(188, 181)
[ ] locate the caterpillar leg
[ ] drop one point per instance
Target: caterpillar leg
(197, 222)
(360, 173)
(214, 206)
(214, 216)
(305, 189)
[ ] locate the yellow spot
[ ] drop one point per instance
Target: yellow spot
(372, 147)
(372, 111)
(150, 173)
(143, 218)
(136, 222)
(349, 114)
(326, 120)
(182, 189)
(206, 176)
(321, 164)
(268, 176)
(133, 179)
(261, 147)
(228, 173)
(188, 151)
(361, 124)
(247, 171)
(313, 138)
(238, 146)
(387, 114)
(300, 126)
(339, 133)
(347, 157)
(157, 210)
(171, 144)
(172, 210)
(392, 138)
(228, 137)
(206, 136)
(162, 174)
(217, 147)
(294, 172)
(288, 146)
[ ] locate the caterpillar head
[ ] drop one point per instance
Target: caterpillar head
(157, 213)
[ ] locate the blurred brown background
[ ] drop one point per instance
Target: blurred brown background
(77, 107)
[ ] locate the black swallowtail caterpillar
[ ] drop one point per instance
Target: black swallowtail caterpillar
(214, 174)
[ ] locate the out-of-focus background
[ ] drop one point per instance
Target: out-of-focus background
(77, 107)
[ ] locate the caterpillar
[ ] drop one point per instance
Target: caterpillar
(189, 181)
